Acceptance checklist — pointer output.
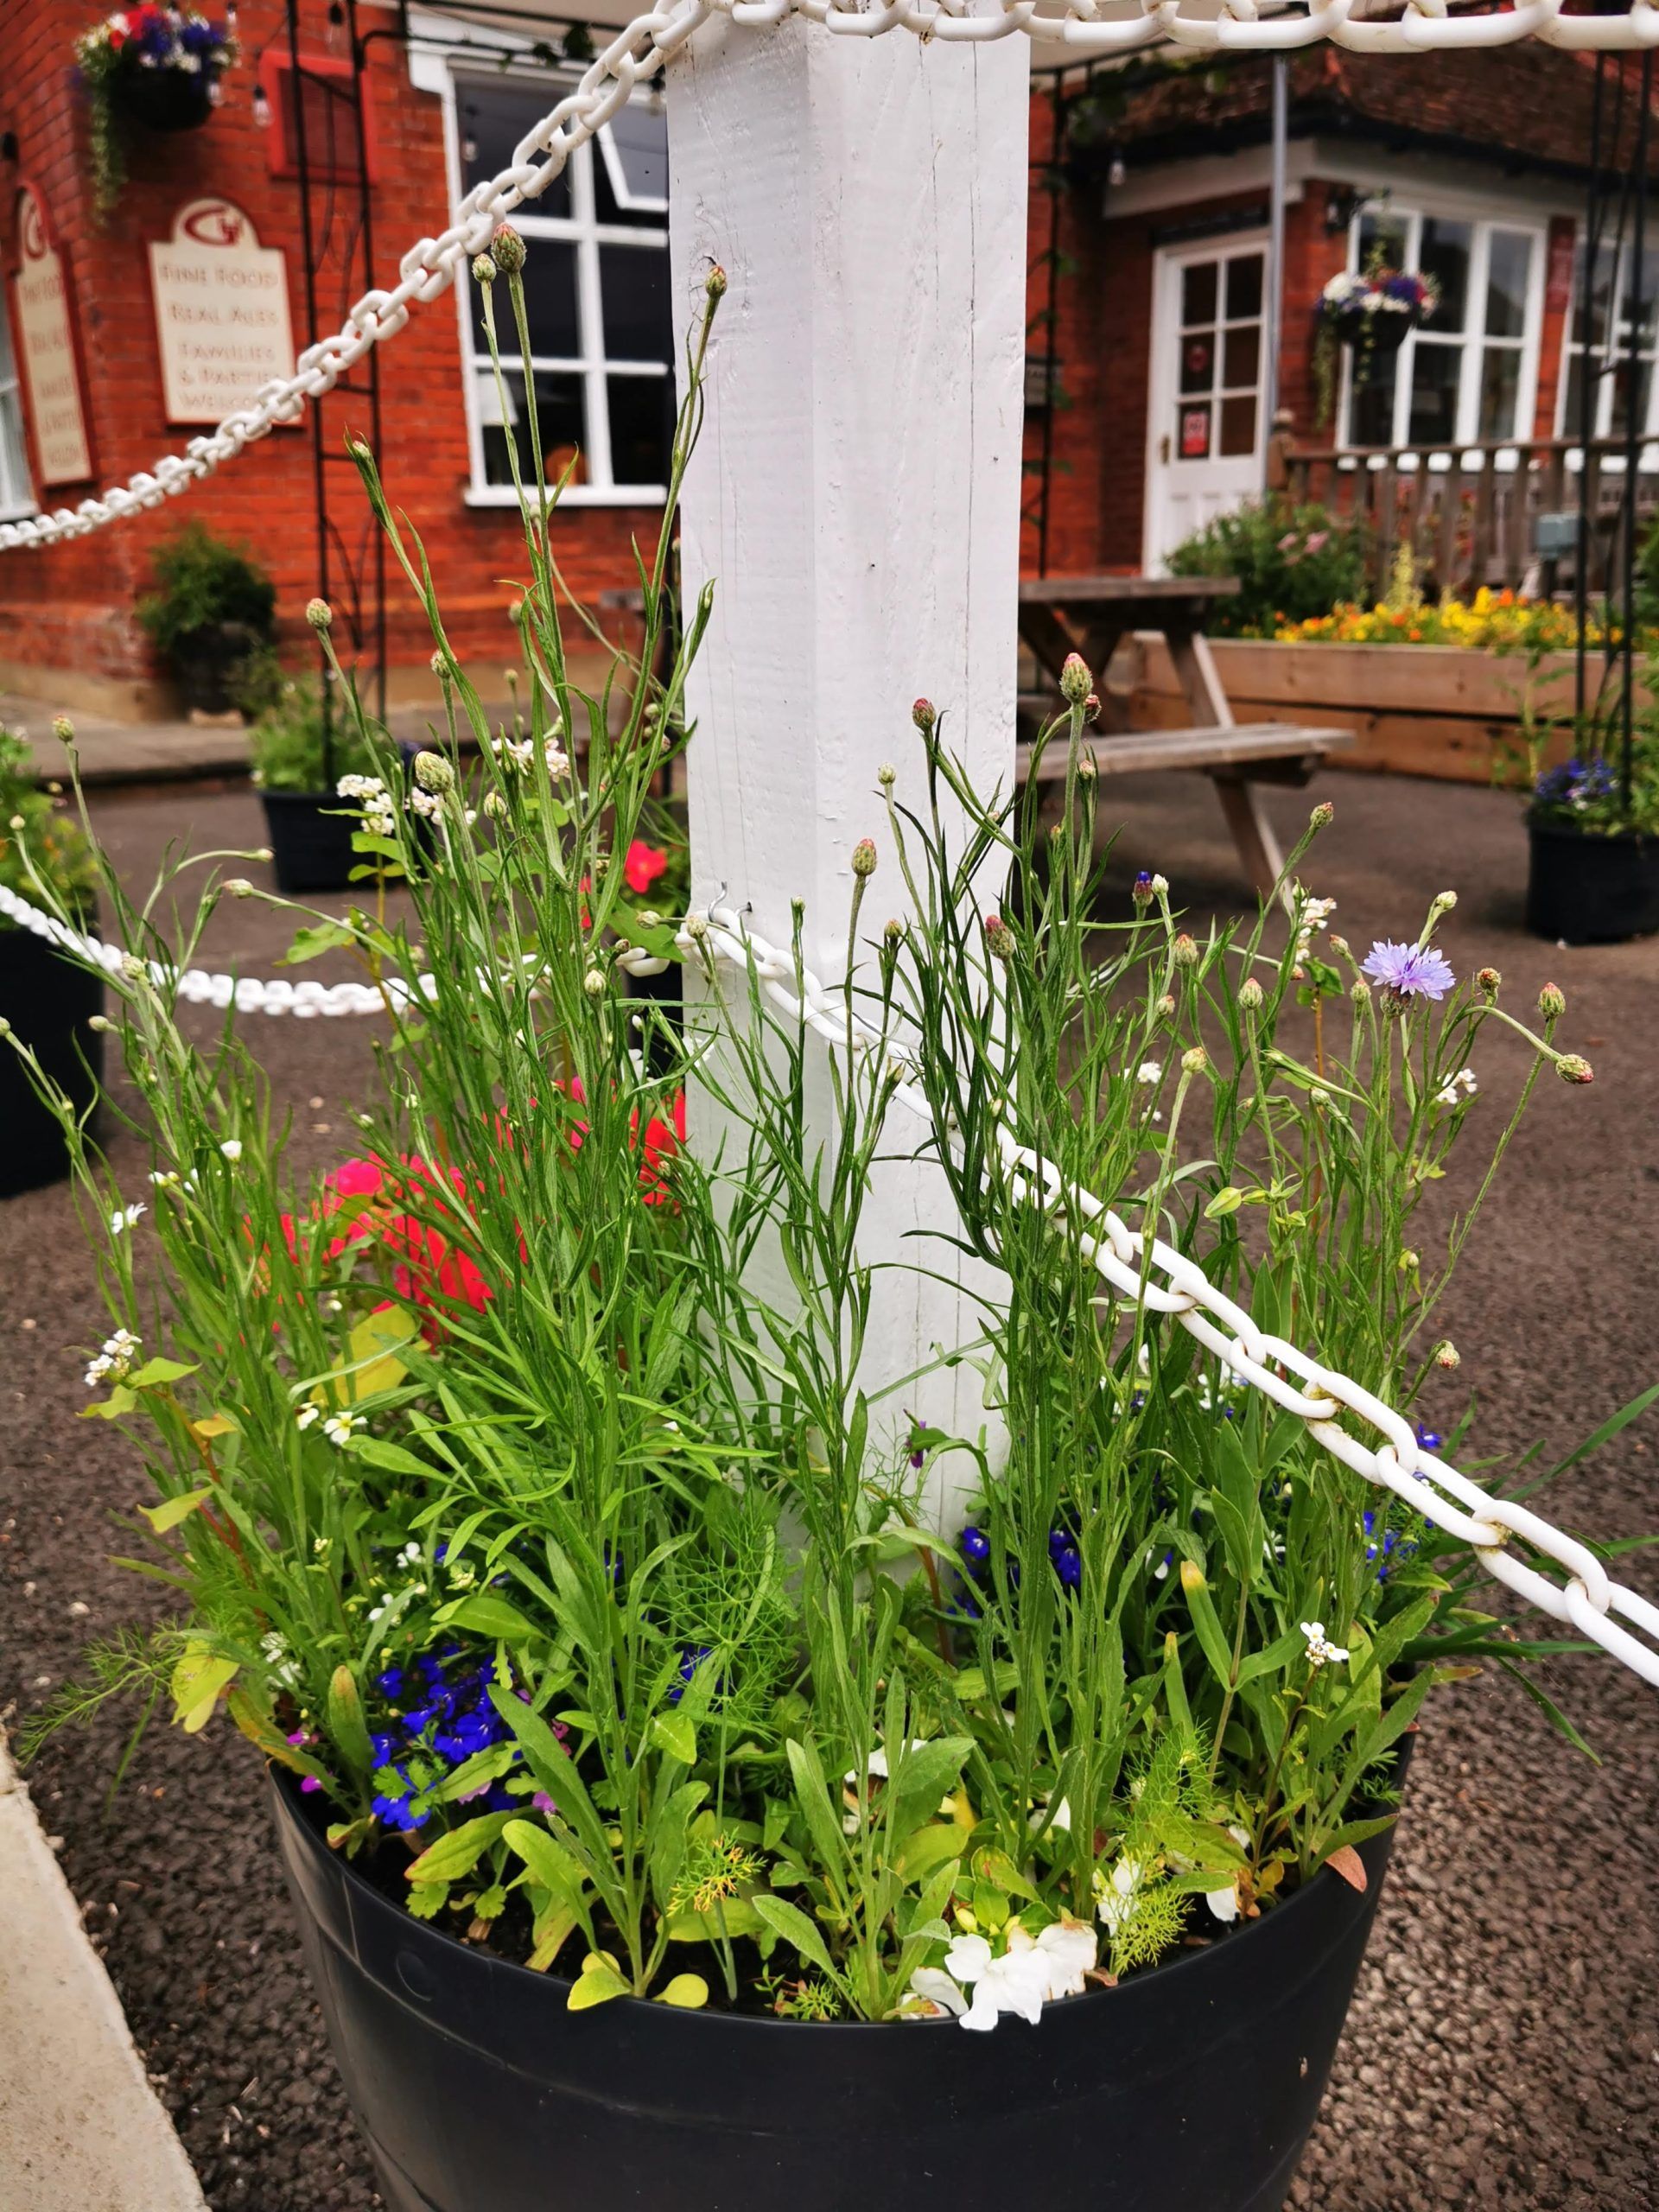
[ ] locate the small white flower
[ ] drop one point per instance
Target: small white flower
(1069, 1949)
(937, 1991)
(1224, 1903)
(1115, 1896)
(428, 804)
(232, 1147)
(340, 1427)
(557, 759)
(1149, 1072)
(1159, 887)
(164, 1179)
(1017, 1982)
(410, 1555)
(125, 1217)
(307, 1416)
(1319, 1646)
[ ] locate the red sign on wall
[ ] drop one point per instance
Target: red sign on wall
(1195, 434)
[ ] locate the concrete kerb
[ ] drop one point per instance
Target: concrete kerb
(81, 2130)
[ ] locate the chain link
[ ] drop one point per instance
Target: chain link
(1150, 1273)
(639, 52)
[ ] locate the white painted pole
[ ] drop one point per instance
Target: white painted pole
(855, 500)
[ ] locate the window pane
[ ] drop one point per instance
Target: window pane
(1199, 361)
(1238, 425)
(1198, 293)
(1445, 258)
(492, 119)
(1508, 270)
(1500, 383)
(634, 291)
(1244, 286)
(1383, 237)
(14, 466)
(641, 410)
(1371, 413)
(1240, 356)
(1434, 394)
(549, 305)
(559, 415)
(636, 145)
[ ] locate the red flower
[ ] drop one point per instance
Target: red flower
(644, 865)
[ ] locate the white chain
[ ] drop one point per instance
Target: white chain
(1428, 1483)
(638, 53)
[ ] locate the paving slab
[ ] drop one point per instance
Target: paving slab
(80, 2128)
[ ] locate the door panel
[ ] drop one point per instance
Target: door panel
(1205, 402)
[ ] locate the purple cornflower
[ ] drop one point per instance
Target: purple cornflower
(1408, 971)
(976, 1545)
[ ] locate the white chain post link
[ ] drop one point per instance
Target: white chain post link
(639, 52)
(1429, 1485)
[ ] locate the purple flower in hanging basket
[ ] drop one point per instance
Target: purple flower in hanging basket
(1408, 971)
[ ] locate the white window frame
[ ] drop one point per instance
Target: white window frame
(1469, 342)
(16, 499)
(582, 228)
(1611, 349)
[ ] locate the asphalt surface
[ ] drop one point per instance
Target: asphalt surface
(1504, 2048)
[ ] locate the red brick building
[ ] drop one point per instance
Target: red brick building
(1475, 164)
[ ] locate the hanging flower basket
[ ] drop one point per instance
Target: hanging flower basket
(1373, 310)
(159, 68)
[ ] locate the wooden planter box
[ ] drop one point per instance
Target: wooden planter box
(1415, 710)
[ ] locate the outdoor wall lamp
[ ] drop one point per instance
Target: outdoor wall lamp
(1342, 203)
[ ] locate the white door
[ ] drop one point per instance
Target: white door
(1205, 433)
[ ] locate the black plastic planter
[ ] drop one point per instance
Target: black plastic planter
(1191, 2088)
(1591, 890)
(166, 99)
(310, 836)
(49, 1001)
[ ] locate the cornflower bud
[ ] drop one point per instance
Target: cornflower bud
(886, 775)
(593, 983)
(1572, 1068)
(894, 931)
(1167, 1004)
(923, 715)
(1141, 891)
(1076, 682)
(1195, 1060)
(1322, 816)
(433, 772)
(319, 613)
(1552, 1002)
(63, 729)
(999, 938)
(263, 854)
(1092, 704)
(441, 669)
(715, 283)
(237, 886)
(483, 269)
(1359, 990)
(360, 449)
(507, 249)
(494, 804)
(1490, 981)
(1183, 951)
(696, 927)
(864, 857)
(1251, 996)
(99, 1021)
(1446, 1354)
(1086, 766)
(1340, 946)
(1409, 1263)
(1160, 886)
(16, 823)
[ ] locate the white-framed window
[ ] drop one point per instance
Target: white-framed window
(596, 295)
(1620, 307)
(17, 493)
(1469, 374)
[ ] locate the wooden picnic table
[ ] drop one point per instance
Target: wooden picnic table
(1091, 615)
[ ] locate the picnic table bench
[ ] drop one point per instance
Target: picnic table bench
(1089, 616)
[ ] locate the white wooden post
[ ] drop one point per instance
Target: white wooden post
(855, 500)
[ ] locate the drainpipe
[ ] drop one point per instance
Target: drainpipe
(1273, 305)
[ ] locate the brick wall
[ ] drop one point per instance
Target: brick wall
(69, 608)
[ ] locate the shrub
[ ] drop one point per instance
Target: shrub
(1291, 562)
(289, 746)
(41, 846)
(202, 581)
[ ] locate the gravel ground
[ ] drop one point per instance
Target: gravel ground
(1504, 2048)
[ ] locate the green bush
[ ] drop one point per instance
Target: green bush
(286, 733)
(39, 842)
(201, 581)
(1291, 562)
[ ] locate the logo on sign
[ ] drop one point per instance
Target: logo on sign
(212, 222)
(31, 228)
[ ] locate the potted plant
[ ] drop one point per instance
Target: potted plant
(1593, 844)
(312, 772)
(159, 67)
(49, 1001)
(664, 1783)
(1370, 311)
(213, 608)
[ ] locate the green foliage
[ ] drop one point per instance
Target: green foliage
(202, 580)
(1292, 561)
(42, 847)
(289, 747)
(531, 1400)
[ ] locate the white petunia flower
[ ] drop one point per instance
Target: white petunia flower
(1319, 1646)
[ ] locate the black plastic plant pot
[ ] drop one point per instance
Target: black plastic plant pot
(1380, 330)
(310, 835)
(166, 99)
(49, 1002)
(1591, 890)
(1190, 2088)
